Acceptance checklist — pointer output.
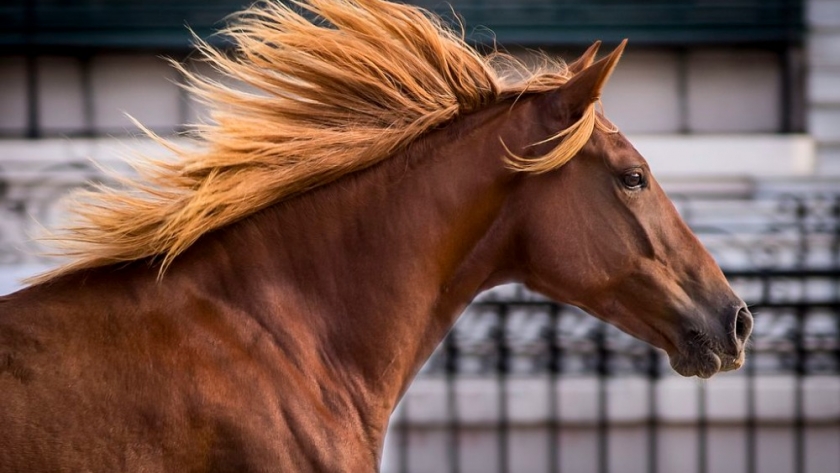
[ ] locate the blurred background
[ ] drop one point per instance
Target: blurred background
(736, 104)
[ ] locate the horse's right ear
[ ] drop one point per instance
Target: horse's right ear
(584, 88)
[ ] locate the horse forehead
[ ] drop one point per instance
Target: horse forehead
(614, 146)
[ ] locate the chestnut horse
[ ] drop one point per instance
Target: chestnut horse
(261, 301)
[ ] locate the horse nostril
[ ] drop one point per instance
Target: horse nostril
(743, 325)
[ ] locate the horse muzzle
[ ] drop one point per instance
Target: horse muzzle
(706, 352)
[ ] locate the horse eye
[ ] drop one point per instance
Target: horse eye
(633, 180)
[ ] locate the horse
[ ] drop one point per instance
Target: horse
(261, 301)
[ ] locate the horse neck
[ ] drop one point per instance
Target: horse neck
(377, 266)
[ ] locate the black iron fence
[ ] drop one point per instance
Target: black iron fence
(522, 384)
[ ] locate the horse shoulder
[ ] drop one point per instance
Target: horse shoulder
(117, 381)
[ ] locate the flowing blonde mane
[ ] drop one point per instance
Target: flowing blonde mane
(324, 97)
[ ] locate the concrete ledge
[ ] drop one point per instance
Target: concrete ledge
(728, 156)
(26, 161)
(698, 156)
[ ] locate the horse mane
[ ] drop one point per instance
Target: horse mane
(331, 87)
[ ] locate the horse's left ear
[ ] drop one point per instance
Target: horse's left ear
(585, 86)
(586, 59)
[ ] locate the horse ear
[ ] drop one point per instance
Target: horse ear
(585, 87)
(585, 60)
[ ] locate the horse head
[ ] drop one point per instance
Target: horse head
(599, 232)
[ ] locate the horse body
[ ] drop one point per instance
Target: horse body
(284, 340)
(277, 336)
